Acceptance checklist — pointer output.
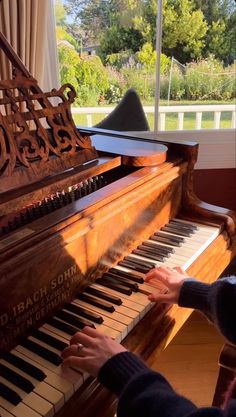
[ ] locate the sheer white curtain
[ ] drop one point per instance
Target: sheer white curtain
(29, 27)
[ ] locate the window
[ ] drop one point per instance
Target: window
(107, 46)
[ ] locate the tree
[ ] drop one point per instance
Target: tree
(220, 37)
(183, 30)
(60, 13)
(191, 28)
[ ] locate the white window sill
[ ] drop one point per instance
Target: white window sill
(217, 148)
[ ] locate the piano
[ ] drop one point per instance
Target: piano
(84, 214)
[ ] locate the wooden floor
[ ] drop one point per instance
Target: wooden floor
(190, 361)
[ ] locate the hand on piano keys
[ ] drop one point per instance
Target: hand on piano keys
(171, 278)
(89, 350)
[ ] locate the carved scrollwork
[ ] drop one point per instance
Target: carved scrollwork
(32, 128)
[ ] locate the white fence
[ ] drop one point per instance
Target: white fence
(216, 109)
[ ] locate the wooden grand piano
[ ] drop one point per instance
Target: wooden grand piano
(84, 214)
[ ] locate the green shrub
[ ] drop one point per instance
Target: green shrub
(147, 58)
(69, 61)
(208, 79)
(119, 59)
(142, 81)
(92, 79)
(91, 72)
(177, 87)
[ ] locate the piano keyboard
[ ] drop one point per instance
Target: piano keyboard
(31, 380)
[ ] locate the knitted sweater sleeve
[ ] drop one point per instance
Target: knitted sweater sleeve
(217, 301)
(145, 393)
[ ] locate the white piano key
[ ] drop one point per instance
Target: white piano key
(140, 300)
(201, 226)
(125, 269)
(56, 331)
(125, 323)
(69, 374)
(40, 387)
(58, 337)
(19, 410)
(121, 313)
(32, 400)
(177, 249)
(5, 413)
(195, 238)
(127, 302)
(113, 333)
(108, 331)
(52, 379)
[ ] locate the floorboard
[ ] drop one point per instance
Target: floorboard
(190, 362)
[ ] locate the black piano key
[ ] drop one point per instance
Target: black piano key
(24, 366)
(169, 236)
(16, 379)
(176, 230)
(145, 263)
(90, 299)
(158, 247)
(48, 339)
(76, 321)
(81, 311)
(178, 226)
(9, 395)
(151, 250)
(184, 224)
(149, 255)
(134, 266)
(117, 287)
(42, 352)
(129, 275)
(165, 240)
(100, 294)
(61, 325)
(124, 281)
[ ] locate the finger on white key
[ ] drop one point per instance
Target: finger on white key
(107, 331)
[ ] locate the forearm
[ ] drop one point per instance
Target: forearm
(143, 392)
(216, 300)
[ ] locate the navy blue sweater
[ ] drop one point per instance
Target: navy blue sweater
(145, 393)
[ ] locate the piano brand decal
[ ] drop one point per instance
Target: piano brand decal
(33, 308)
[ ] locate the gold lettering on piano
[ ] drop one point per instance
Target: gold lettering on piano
(65, 276)
(29, 301)
(31, 310)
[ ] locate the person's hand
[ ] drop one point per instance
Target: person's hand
(89, 350)
(172, 279)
